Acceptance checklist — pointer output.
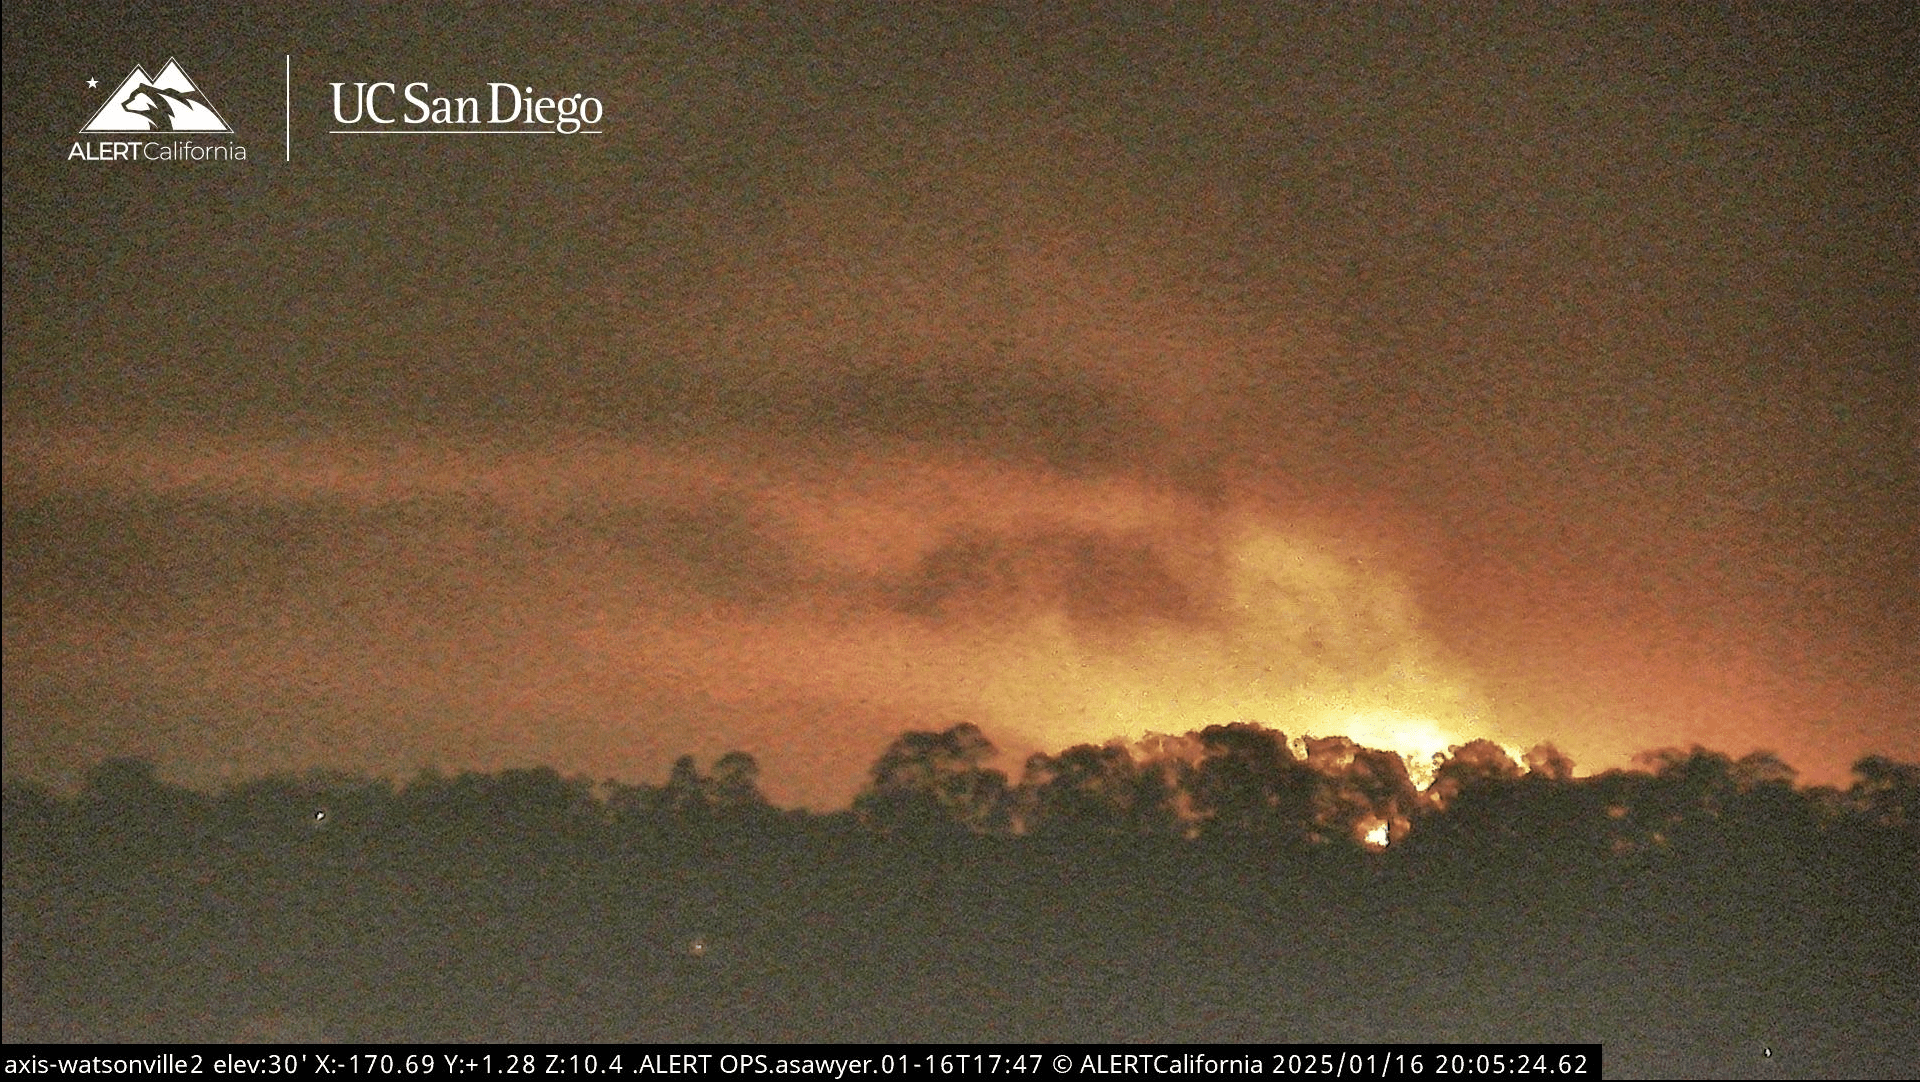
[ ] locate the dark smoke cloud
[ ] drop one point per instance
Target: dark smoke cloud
(1094, 579)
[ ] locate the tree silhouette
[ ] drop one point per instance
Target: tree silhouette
(928, 782)
(127, 805)
(1470, 765)
(1249, 785)
(1091, 790)
(1360, 789)
(1888, 791)
(1549, 762)
(735, 785)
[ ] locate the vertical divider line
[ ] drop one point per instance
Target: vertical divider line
(289, 106)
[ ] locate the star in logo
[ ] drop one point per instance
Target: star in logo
(93, 84)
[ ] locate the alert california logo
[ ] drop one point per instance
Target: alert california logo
(174, 117)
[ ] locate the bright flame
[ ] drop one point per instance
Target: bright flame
(1377, 837)
(1300, 639)
(1414, 737)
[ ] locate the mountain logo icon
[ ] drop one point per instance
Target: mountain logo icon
(168, 101)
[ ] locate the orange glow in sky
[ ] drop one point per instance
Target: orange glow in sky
(592, 618)
(1414, 405)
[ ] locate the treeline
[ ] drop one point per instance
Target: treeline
(1223, 885)
(1226, 783)
(1245, 782)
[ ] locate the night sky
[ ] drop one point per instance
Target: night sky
(1402, 373)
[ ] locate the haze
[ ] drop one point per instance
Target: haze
(1403, 375)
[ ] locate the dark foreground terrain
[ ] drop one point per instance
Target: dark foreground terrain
(1688, 915)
